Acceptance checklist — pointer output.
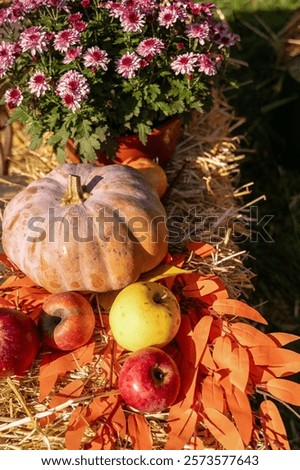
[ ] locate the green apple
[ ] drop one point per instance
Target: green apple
(144, 314)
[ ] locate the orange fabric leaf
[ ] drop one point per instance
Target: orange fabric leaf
(285, 390)
(239, 407)
(239, 368)
(57, 363)
(71, 390)
(223, 429)
(46, 385)
(200, 336)
(212, 394)
(248, 335)
(281, 339)
(4, 303)
(276, 357)
(273, 427)
(222, 352)
(207, 288)
(139, 431)
(75, 430)
(201, 249)
(162, 271)
(7, 263)
(237, 308)
(182, 424)
(184, 339)
(101, 406)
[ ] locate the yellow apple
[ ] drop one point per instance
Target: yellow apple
(144, 314)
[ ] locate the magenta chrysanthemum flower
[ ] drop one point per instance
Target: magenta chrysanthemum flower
(150, 46)
(198, 31)
(66, 38)
(168, 16)
(34, 39)
(96, 57)
(72, 54)
(38, 84)
(184, 63)
(202, 8)
(132, 21)
(128, 64)
(223, 36)
(73, 88)
(13, 97)
(7, 56)
(207, 64)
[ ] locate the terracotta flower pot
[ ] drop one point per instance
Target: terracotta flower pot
(160, 146)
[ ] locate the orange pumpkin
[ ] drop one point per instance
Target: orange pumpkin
(152, 171)
(86, 228)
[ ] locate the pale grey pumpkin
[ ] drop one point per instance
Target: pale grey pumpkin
(86, 228)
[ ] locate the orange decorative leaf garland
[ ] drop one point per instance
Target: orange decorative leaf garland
(232, 372)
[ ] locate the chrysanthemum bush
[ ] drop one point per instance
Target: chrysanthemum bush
(95, 70)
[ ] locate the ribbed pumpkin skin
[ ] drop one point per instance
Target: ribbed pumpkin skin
(90, 246)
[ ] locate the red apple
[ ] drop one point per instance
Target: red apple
(149, 380)
(67, 321)
(19, 342)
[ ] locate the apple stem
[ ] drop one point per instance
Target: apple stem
(158, 298)
(74, 193)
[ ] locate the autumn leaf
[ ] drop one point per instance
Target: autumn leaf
(239, 368)
(4, 303)
(282, 339)
(272, 426)
(223, 429)
(274, 358)
(212, 395)
(200, 336)
(75, 430)
(162, 271)
(206, 288)
(237, 308)
(285, 390)
(201, 249)
(182, 424)
(239, 407)
(71, 390)
(248, 335)
(55, 364)
(139, 432)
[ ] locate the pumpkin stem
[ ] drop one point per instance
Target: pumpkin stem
(74, 193)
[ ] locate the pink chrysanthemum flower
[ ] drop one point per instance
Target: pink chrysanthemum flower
(132, 21)
(207, 64)
(72, 54)
(66, 38)
(34, 39)
(202, 8)
(184, 63)
(168, 16)
(72, 84)
(128, 64)
(150, 46)
(38, 84)
(96, 57)
(13, 97)
(198, 31)
(7, 56)
(223, 36)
